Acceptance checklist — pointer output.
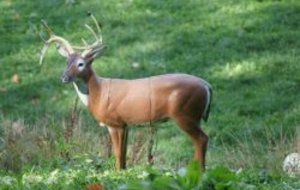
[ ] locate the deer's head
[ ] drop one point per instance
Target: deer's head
(79, 58)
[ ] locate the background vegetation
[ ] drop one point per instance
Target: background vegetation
(248, 50)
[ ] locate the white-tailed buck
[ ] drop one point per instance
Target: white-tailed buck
(117, 103)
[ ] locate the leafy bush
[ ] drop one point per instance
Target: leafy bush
(216, 178)
(84, 172)
(189, 178)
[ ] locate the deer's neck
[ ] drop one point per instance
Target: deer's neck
(94, 84)
(82, 92)
(90, 87)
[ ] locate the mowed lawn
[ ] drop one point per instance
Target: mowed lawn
(249, 51)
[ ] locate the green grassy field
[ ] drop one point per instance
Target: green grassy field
(249, 50)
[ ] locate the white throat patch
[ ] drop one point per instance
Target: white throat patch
(83, 97)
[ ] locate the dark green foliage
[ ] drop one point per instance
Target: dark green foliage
(217, 178)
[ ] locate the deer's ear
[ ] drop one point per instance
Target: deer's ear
(92, 54)
(62, 51)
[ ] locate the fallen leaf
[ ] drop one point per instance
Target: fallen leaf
(95, 186)
(15, 78)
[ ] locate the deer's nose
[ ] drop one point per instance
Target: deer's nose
(66, 78)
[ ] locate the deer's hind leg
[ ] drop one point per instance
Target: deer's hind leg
(199, 138)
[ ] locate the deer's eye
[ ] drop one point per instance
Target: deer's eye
(80, 64)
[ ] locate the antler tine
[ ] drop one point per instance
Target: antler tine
(50, 32)
(43, 52)
(97, 26)
(53, 38)
(42, 38)
(92, 31)
(97, 37)
(35, 30)
(84, 42)
(86, 46)
(46, 46)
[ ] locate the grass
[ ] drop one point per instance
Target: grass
(247, 50)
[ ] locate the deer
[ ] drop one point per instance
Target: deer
(118, 103)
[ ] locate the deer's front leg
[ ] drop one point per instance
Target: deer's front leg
(119, 140)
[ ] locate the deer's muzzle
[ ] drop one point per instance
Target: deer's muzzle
(66, 79)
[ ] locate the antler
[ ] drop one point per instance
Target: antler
(53, 38)
(67, 46)
(98, 37)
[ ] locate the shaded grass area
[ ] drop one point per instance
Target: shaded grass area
(247, 50)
